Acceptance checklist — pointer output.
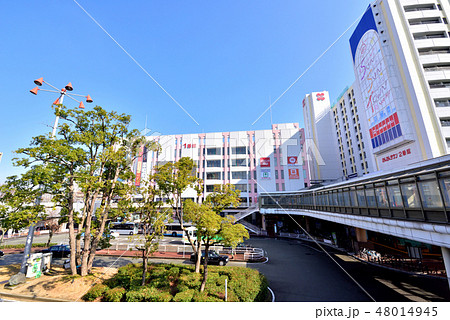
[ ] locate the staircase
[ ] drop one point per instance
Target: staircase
(253, 228)
(246, 212)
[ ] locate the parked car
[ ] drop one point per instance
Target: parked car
(1, 253)
(59, 251)
(213, 258)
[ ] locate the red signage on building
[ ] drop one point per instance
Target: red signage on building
(320, 96)
(397, 154)
(264, 162)
(292, 160)
(294, 174)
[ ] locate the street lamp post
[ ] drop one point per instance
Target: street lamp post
(66, 91)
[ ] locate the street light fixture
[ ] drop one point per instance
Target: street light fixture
(63, 92)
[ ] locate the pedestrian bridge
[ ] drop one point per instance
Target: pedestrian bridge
(411, 203)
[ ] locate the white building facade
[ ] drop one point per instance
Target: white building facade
(354, 145)
(252, 161)
(401, 56)
(320, 139)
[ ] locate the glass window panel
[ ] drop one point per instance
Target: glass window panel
(361, 197)
(335, 198)
(382, 199)
(340, 199)
(346, 199)
(353, 200)
(370, 196)
(429, 192)
(445, 187)
(410, 195)
(395, 198)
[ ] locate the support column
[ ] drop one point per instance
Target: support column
(308, 228)
(361, 235)
(263, 222)
(446, 258)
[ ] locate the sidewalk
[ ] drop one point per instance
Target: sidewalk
(132, 253)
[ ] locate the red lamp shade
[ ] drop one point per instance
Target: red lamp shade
(39, 81)
(56, 101)
(89, 99)
(69, 86)
(34, 91)
(81, 106)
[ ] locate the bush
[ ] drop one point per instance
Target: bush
(95, 292)
(114, 294)
(22, 245)
(184, 296)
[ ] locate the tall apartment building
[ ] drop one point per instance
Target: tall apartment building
(321, 148)
(355, 151)
(253, 161)
(401, 56)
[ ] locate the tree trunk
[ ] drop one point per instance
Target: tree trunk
(50, 235)
(104, 217)
(87, 236)
(205, 267)
(144, 266)
(199, 257)
(72, 240)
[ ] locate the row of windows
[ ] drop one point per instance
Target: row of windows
(241, 187)
(421, 7)
(233, 175)
(434, 50)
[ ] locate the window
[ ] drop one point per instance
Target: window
(239, 150)
(439, 84)
(414, 22)
(429, 192)
(434, 50)
(436, 66)
(242, 187)
(209, 188)
(239, 175)
(255, 188)
(282, 175)
(213, 175)
(429, 35)
(419, 7)
(282, 187)
(213, 163)
(410, 195)
(447, 140)
(213, 151)
(276, 174)
(238, 162)
(442, 102)
(395, 197)
(445, 122)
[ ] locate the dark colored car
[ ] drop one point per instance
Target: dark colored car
(1, 253)
(213, 258)
(59, 251)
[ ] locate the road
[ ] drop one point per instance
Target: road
(301, 271)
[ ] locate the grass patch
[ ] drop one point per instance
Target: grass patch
(179, 283)
(22, 245)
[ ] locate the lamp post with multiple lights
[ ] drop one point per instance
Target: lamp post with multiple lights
(66, 91)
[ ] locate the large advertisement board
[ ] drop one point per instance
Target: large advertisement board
(371, 73)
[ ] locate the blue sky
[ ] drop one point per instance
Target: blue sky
(223, 61)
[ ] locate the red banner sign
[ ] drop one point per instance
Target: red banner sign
(294, 174)
(292, 160)
(264, 162)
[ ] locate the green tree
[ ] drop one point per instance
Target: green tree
(172, 179)
(19, 200)
(92, 153)
(152, 219)
(212, 228)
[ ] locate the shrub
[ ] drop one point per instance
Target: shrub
(192, 281)
(184, 296)
(95, 292)
(114, 294)
(173, 272)
(204, 297)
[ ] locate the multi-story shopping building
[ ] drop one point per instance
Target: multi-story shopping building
(321, 150)
(353, 142)
(401, 55)
(253, 161)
